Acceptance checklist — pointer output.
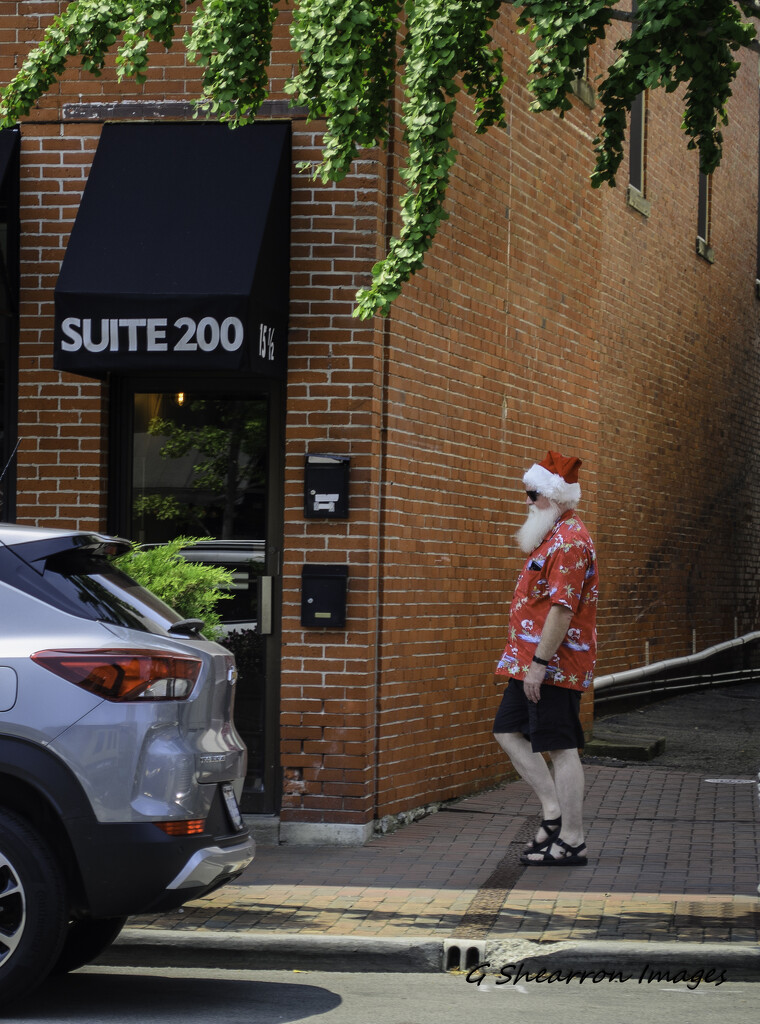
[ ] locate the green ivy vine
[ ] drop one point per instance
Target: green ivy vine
(346, 74)
(562, 34)
(443, 39)
(232, 42)
(674, 42)
(230, 39)
(353, 54)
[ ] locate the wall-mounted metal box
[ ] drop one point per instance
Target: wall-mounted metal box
(323, 596)
(325, 493)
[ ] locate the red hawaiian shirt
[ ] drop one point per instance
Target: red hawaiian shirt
(562, 570)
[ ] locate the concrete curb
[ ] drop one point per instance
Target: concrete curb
(164, 947)
(639, 961)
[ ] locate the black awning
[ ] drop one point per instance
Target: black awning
(179, 256)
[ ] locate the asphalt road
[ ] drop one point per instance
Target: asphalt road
(175, 996)
(711, 731)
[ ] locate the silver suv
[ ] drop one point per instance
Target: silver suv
(120, 765)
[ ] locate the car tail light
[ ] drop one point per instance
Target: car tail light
(125, 675)
(194, 827)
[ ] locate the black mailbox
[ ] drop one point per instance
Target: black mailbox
(323, 595)
(325, 494)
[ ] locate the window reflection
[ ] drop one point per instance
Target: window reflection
(199, 467)
(199, 470)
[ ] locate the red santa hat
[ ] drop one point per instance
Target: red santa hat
(556, 476)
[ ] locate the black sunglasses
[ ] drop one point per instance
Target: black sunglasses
(533, 495)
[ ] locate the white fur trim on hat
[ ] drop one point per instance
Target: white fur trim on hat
(552, 485)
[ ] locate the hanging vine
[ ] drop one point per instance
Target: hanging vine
(352, 53)
(444, 39)
(232, 41)
(86, 28)
(674, 42)
(346, 75)
(562, 34)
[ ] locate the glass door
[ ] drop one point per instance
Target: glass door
(205, 462)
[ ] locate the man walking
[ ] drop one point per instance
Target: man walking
(550, 657)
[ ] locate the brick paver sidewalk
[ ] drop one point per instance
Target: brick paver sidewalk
(672, 856)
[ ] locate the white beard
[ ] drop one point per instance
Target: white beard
(536, 526)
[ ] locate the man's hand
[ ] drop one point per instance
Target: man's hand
(554, 632)
(532, 682)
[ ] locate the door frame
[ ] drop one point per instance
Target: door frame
(121, 431)
(11, 273)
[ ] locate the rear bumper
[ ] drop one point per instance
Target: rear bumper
(209, 868)
(124, 868)
(136, 869)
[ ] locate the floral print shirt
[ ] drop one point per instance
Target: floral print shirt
(562, 570)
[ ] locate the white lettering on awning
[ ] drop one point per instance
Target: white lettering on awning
(133, 334)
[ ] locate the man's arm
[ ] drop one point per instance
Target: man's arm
(554, 632)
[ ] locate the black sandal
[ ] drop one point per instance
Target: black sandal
(552, 827)
(570, 857)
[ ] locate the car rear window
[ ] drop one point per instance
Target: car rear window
(91, 587)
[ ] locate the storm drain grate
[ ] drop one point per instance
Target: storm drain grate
(462, 954)
(484, 909)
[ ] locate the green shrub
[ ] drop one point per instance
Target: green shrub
(192, 589)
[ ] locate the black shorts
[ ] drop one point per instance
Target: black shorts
(552, 724)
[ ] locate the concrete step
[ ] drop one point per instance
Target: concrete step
(640, 749)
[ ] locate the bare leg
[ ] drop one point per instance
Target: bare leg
(534, 770)
(570, 783)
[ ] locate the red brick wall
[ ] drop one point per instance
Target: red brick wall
(547, 315)
(61, 419)
(334, 407)
(678, 405)
(492, 361)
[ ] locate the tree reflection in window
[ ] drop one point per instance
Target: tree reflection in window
(199, 467)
